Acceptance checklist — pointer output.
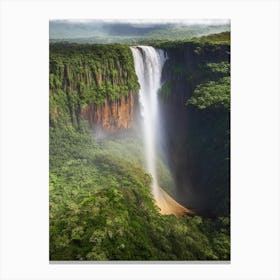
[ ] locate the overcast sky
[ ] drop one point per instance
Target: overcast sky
(153, 21)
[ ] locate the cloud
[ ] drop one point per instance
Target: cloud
(151, 21)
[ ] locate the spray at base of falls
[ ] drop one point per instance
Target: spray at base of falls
(148, 67)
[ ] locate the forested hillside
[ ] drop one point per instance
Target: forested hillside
(101, 206)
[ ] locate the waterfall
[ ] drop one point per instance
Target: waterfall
(148, 63)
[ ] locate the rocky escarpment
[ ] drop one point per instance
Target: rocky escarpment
(112, 115)
(196, 140)
(93, 82)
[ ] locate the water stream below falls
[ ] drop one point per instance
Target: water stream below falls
(148, 63)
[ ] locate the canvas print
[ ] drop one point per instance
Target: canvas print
(139, 140)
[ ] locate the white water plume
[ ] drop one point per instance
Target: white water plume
(148, 63)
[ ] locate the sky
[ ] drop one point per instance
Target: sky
(152, 21)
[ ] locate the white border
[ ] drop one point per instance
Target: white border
(255, 138)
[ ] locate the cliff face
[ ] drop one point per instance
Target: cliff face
(112, 115)
(93, 82)
(196, 141)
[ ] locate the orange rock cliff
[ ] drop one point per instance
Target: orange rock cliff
(112, 115)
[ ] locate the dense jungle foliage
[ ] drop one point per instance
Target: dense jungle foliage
(101, 206)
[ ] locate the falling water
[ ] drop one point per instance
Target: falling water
(148, 66)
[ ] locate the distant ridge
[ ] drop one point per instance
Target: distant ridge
(129, 32)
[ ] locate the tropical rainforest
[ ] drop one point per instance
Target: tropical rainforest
(101, 206)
